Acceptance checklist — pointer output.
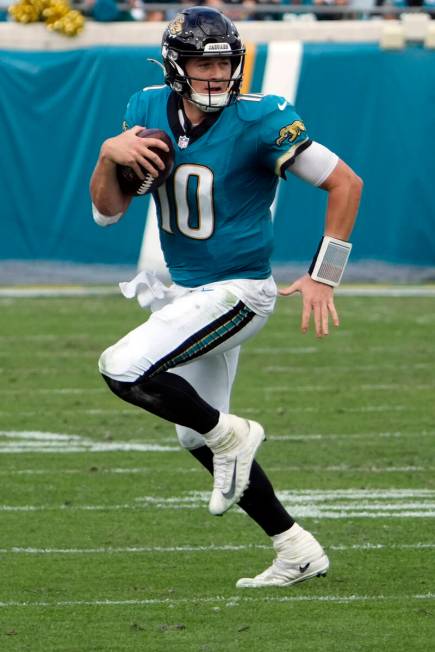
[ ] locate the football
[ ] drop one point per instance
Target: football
(129, 181)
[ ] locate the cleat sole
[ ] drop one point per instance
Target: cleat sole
(319, 572)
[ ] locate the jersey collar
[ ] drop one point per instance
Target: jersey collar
(186, 134)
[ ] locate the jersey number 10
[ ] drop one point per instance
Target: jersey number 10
(183, 211)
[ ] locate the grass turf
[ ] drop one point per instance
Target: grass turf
(114, 550)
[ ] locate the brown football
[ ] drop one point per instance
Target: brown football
(129, 181)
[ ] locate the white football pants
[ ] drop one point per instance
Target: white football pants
(198, 337)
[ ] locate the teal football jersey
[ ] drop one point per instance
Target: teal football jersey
(214, 209)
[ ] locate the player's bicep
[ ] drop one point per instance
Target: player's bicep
(314, 164)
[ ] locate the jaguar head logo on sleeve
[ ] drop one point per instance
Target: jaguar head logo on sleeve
(290, 132)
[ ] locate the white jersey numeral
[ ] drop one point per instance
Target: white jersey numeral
(164, 207)
(204, 202)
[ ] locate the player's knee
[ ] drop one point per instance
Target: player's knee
(119, 362)
(108, 363)
(189, 438)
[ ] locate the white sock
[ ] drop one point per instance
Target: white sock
(295, 544)
(222, 436)
(220, 431)
(286, 537)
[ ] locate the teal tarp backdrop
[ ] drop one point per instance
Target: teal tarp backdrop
(376, 109)
(56, 108)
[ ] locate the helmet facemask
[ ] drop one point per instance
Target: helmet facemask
(210, 100)
(202, 32)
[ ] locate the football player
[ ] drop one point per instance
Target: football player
(216, 234)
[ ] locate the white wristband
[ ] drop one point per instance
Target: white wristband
(330, 261)
(104, 220)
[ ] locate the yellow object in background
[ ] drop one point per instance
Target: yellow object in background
(57, 15)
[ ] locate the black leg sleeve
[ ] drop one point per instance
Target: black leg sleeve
(259, 500)
(170, 397)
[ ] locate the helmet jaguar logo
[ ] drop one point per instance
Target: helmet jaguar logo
(176, 25)
(291, 132)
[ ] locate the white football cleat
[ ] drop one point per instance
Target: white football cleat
(232, 467)
(299, 558)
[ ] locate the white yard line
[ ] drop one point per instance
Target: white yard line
(130, 412)
(337, 468)
(231, 601)
(398, 291)
(23, 441)
(85, 291)
(318, 504)
(94, 448)
(351, 435)
(323, 409)
(294, 364)
(346, 468)
(58, 390)
(52, 442)
(383, 546)
(57, 291)
(17, 550)
(355, 387)
(98, 469)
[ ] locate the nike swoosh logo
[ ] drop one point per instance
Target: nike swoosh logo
(282, 106)
(230, 493)
(302, 569)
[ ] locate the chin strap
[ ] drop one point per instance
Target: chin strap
(209, 102)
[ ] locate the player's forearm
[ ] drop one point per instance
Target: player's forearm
(344, 197)
(105, 191)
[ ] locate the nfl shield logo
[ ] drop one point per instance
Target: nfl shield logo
(183, 142)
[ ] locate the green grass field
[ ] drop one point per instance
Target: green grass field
(105, 540)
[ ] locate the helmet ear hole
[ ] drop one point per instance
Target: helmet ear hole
(201, 32)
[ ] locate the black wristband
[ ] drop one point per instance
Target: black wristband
(313, 262)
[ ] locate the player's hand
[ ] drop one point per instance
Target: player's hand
(129, 149)
(317, 298)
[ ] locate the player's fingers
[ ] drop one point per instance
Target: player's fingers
(135, 130)
(317, 319)
(155, 158)
(291, 289)
(306, 313)
(142, 149)
(325, 319)
(149, 167)
(137, 168)
(334, 314)
(155, 142)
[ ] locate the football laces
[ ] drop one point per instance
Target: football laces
(146, 184)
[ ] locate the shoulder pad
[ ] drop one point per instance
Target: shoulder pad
(252, 107)
(145, 93)
(139, 101)
(154, 88)
(151, 93)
